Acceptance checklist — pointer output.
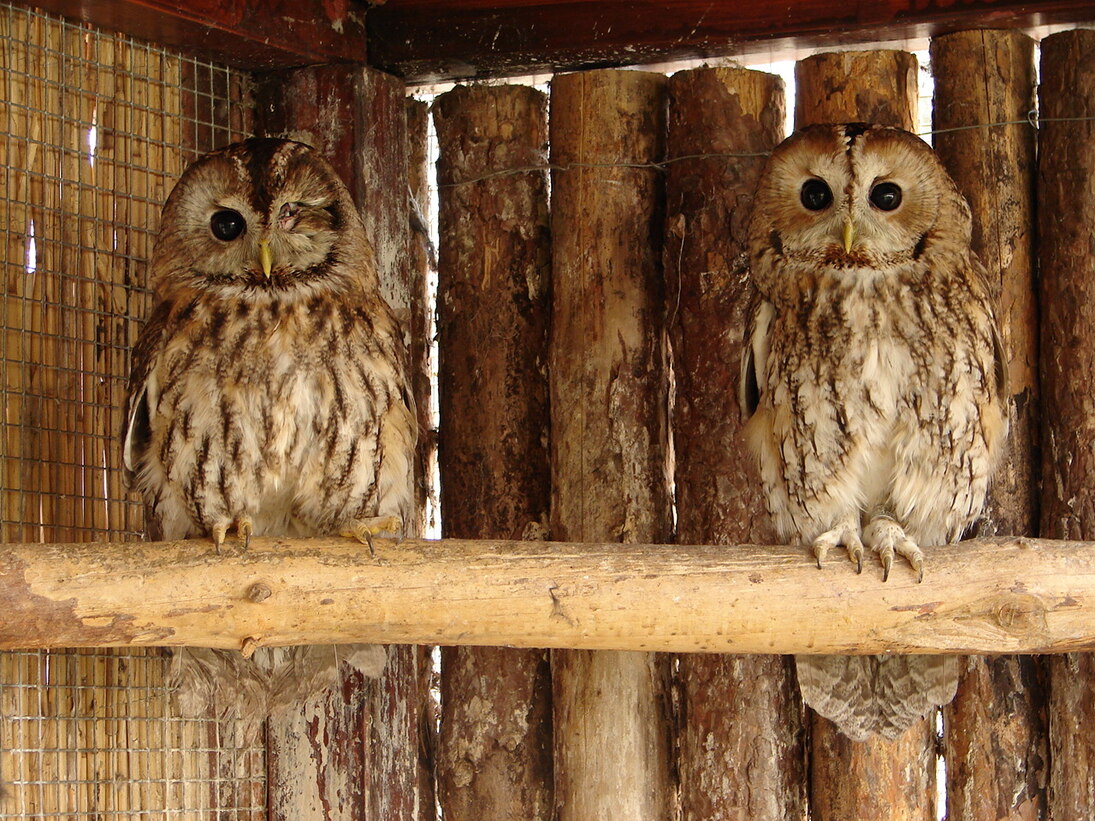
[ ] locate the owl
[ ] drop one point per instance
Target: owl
(267, 393)
(873, 381)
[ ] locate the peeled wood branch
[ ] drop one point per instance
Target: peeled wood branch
(989, 596)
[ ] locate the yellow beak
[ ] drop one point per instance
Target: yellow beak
(266, 257)
(849, 236)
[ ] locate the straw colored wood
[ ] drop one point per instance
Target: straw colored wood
(1066, 202)
(493, 308)
(995, 741)
(856, 780)
(740, 736)
(609, 397)
(985, 596)
(357, 747)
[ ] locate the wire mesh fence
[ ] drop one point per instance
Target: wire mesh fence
(94, 130)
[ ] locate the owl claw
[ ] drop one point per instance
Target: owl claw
(888, 539)
(845, 533)
(364, 529)
(245, 527)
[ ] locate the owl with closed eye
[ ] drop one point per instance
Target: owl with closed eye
(267, 394)
(873, 382)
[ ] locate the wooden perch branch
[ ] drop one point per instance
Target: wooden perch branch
(989, 596)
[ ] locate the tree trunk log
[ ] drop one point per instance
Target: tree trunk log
(857, 86)
(608, 416)
(352, 753)
(995, 742)
(1066, 201)
(740, 743)
(422, 260)
(986, 596)
(493, 305)
(849, 779)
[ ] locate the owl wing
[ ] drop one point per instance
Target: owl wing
(754, 356)
(143, 392)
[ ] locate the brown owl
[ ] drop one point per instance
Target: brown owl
(873, 380)
(268, 392)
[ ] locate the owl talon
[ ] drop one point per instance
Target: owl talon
(219, 533)
(364, 529)
(245, 527)
(887, 538)
(845, 533)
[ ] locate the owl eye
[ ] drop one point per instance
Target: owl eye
(226, 225)
(816, 195)
(886, 196)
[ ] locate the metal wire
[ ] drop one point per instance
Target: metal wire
(96, 129)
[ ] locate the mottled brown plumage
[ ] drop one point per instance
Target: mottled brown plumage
(267, 393)
(873, 380)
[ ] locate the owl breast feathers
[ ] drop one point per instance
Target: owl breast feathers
(873, 379)
(267, 392)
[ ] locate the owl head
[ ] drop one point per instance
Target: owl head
(262, 215)
(853, 202)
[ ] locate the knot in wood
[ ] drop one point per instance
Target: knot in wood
(1020, 613)
(259, 592)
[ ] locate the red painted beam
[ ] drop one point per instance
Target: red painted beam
(426, 40)
(249, 34)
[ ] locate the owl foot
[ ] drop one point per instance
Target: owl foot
(364, 529)
(886, 537)
(244, 528)
(845, 533)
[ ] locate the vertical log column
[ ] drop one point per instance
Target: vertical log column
(421, 326)
(353, 753)
(1066, 205)
(995, 738)
(493, 303)
(876, 778)
(740, 746)
(608, 418)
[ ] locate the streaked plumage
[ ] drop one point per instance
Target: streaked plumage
(267, 392)
(873, 379)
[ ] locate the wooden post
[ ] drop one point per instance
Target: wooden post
(740, 742)
(609, 400)
(1066, 202)
(857, 86)
(876, 778)
(493, 303)
(366, 731)
(995, 741)
(422, 262)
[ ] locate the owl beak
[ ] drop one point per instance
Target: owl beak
(849, 236)
(266, 257)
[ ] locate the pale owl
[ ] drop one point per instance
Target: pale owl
(873, 380)
(267, 392)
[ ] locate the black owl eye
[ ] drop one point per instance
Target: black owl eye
(816, 195)
(226, 225)
(886, 196)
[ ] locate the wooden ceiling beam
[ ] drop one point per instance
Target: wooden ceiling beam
(242, 33)
(433, 40)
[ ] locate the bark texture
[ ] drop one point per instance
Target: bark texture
(354, 753)
(494, 279)
(995, 741)
(857, 86)
(609, 405)
(1066, 203)
(740, 729)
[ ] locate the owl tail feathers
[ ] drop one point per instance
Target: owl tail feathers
(864, 695)
(224, 684)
